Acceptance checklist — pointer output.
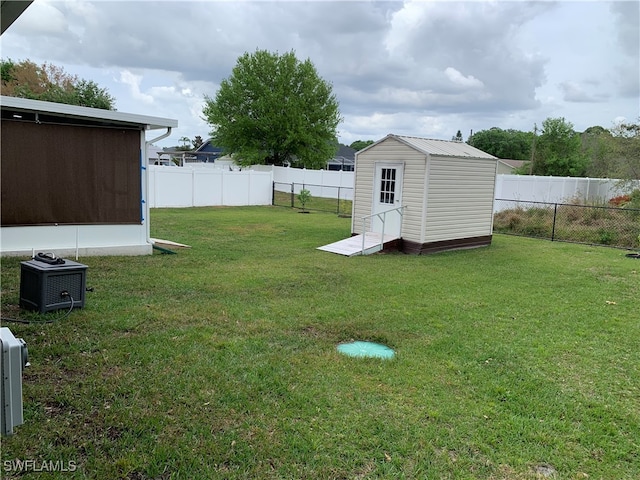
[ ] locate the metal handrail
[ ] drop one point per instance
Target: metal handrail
(383, 217)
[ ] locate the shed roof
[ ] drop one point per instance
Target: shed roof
(445, 148)
(86, 113)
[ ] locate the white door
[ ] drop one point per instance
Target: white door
(387, 196)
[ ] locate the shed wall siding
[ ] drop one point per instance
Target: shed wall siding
(459, 198)
(413, 196)
(390, 150)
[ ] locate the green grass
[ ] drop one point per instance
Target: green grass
(221, 362)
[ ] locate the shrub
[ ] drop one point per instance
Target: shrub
(304, 197)
(573, 223)
(605, 237)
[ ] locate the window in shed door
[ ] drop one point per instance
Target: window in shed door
(387, 185)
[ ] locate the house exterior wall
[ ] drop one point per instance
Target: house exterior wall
(84, 174)
(389, 150)
(75, 240)
(83, 239)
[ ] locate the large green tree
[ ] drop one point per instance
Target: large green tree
(510, 144)
(51, 83)
(274, 109)
(558, 150)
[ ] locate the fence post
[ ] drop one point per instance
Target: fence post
(273, 193)
(292, 188)
(338, 206)
(553, 228)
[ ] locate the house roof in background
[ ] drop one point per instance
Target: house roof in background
(512, 163)
(345, 152)
(85, 113)
(208, 147)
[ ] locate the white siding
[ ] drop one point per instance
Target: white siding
(413, 197)
(459, 198)
(389, 150)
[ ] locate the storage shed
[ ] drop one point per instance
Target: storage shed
(424, 195)
(74, 179)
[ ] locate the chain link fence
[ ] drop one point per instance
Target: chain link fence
(594, 225)
(323, 198)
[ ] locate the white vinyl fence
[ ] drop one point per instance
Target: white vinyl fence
(199, 186)
(531, 188)
(321, 183)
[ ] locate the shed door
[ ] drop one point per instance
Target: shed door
(388, 196)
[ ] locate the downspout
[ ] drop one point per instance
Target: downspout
(164, 135)
(145, 167)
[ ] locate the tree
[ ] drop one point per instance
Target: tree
(6, 71)
(626, 149)
(509, 144)
(87, 93)
(559, 150)
(304, 197)
(597, 144)
(51, 83)
(361, 144)
(274, 109)
(185, 143)
(197, 141)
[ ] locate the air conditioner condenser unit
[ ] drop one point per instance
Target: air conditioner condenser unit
(48, 286)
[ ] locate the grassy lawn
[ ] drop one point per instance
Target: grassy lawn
(514, 361)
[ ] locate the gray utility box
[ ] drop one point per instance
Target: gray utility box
(45, 287)
(14, 359)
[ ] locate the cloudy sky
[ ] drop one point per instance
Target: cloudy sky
(415, 67)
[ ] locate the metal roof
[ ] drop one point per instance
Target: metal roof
(445, 148)
(87, 113)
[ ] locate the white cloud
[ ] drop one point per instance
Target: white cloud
(413, 67)
(43, 18)
(133, 81)
(459, 79)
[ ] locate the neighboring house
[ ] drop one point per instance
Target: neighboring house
(446, 190)
(205, 153)
(344, 159)
(506, 166)
(74, 179)
(154, 154)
